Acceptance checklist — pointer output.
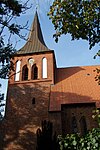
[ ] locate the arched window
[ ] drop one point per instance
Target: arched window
(34, 74)
(83, 125)
(25, 73)
(44, 68)
(74, 125)
(17, 73)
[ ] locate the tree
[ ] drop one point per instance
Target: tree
(80, 18)
(89, 141)
(2, 103)
(9, 11)
(45, 138)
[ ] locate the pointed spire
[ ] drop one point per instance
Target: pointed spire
(35, 41)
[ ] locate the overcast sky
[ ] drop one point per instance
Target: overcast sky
(68, 53)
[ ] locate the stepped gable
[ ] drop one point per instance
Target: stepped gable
(35, 42)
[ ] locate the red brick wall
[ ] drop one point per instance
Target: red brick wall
(18, 129)
(55, 118)
(38, 61)
(22, 118)
(77, 110)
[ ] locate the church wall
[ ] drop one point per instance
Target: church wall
(28, 99)
(23, 118)
(27, 103)
(55, 118)
(82, 115)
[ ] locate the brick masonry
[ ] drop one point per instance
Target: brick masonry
(55, 98)
(23, 118)
(65, 92)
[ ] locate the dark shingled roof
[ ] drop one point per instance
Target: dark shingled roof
(35, 41)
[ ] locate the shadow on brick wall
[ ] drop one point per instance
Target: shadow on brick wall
(23, 117)
(63, 73)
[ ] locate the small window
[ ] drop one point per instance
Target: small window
(25, 73)
(33, 100)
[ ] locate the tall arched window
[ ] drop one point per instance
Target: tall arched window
(83, 125)
(25, 73)
(34, 74)
(44, 68)
(74, 125)
(17, 73)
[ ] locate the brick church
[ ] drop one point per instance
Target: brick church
(38, 90)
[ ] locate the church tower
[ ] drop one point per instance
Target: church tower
(34, 62)
(28, 91)
(38, 90)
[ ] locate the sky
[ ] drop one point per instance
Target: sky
(68, 53)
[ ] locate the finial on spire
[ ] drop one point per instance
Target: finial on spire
(37, 5)
(35, 42)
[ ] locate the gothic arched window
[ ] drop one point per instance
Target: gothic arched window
(83, 125)
(25, 73)
(74, 125)
(34, 74)
(44, 68)
(17, 73)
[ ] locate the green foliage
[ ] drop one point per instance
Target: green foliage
(91, 141)
(10, 5)
(96, 116)
(80, 18)
(9, 11)
(1, 104)
(70, 142)
(6, 53)
(97, 77)
(45, 138)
